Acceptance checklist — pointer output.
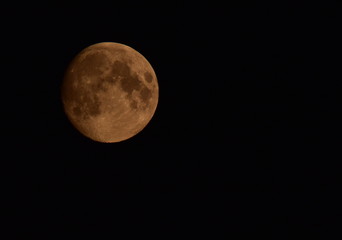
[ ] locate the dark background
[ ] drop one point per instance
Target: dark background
(246, 135)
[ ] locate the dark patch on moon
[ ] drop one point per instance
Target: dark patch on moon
(84, 101)
(97, 61)
(77, 110)
(129, 81)
(145, 94)
(148, 77)
(86, 104)
(134, 104)
(91, 104)
(99, 85)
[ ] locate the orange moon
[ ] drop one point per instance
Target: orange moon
(110, 92)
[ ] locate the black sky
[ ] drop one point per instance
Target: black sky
(249, 108)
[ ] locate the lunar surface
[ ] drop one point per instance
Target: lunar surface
(109, 92)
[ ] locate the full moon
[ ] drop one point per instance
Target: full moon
(109, 92)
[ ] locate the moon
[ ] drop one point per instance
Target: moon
(109, 92)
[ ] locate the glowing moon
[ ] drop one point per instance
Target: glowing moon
(110, 92)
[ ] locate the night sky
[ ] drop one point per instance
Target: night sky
(245, 136)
